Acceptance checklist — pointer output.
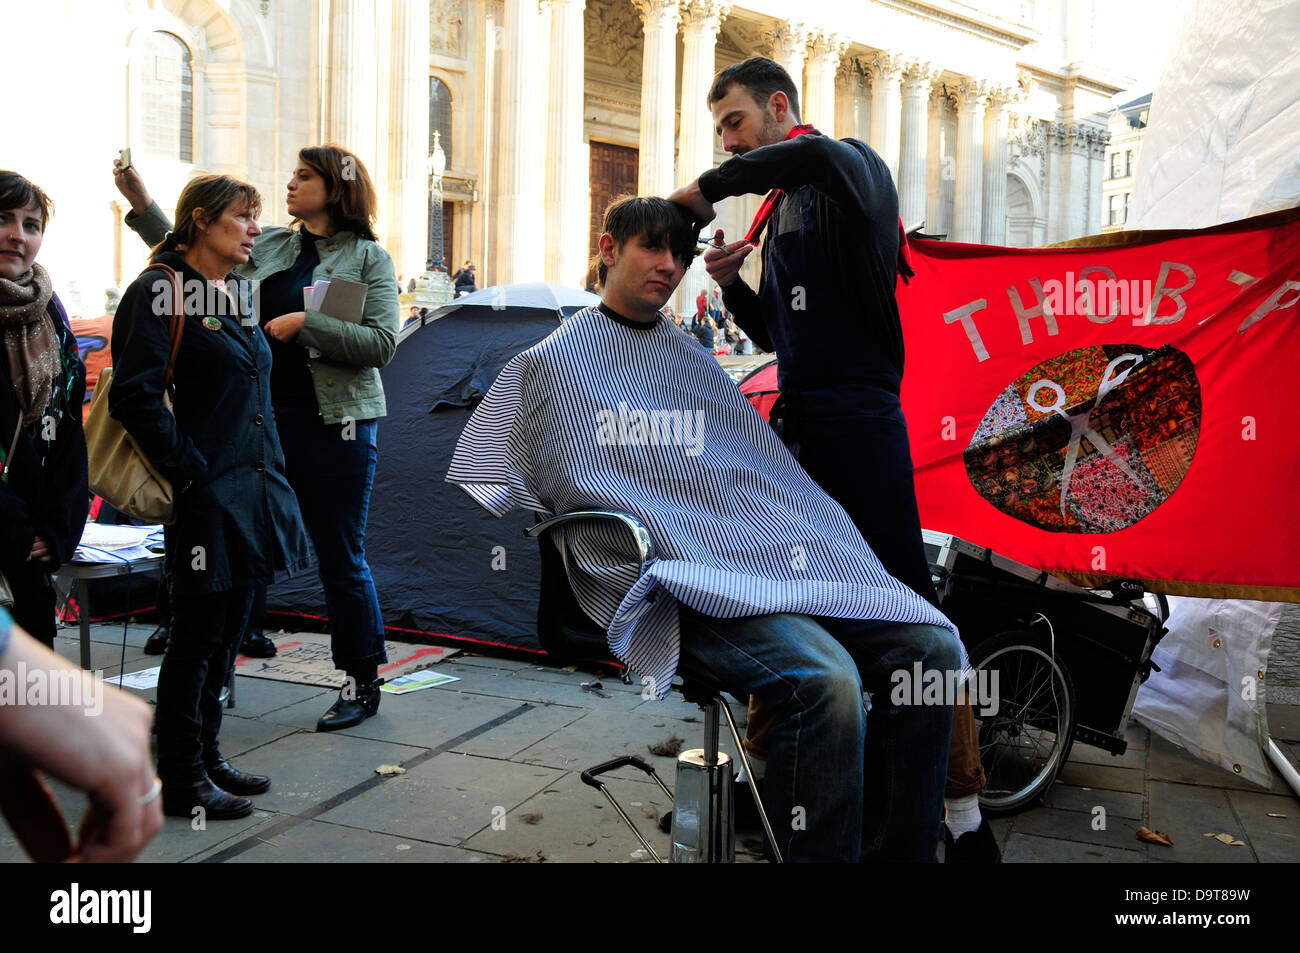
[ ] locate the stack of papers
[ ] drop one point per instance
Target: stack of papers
(105, 543)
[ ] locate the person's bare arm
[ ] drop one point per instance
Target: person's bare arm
(100, 747)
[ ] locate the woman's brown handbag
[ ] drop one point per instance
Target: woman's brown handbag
(119, 472)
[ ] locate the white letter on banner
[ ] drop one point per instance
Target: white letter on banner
(963, 314)
(1162, 292)
(1274, 303)
(1107, 291)
(1041, 309)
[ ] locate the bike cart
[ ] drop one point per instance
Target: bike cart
(1063, 663)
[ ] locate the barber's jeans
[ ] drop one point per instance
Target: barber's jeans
(841, 785)
(205, 632)
(332, 478)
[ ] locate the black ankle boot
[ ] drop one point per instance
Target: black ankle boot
(156, 644)
(347, 712)
(180, 800)
(233, 781)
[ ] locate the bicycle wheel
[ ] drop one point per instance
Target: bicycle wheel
(1025, 742)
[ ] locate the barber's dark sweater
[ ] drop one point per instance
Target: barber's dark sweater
(825, 302)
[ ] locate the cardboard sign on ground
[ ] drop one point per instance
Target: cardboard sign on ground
(304, 658)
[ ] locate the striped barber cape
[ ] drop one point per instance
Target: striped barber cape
(608, 414)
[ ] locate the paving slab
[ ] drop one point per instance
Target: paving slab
(240, 734)
(1027, 848)
(1101, 776)
(1284, 722)
(1134, 757)
(316, 842)
(603, 735)
(1081, 828)
(1187, 813)
(444, 800)
(1168, 762)
(574, 823)
(307, 768)
(1117, 803)
(263, 698)
(1274, 839)
(487, 682)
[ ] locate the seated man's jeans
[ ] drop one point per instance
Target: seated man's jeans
(841, 785)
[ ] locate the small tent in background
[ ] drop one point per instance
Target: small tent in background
(441, 564)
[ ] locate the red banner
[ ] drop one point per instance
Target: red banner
(1124, 407)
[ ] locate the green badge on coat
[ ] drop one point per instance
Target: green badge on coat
(212, 324)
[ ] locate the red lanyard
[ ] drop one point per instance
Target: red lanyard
(769, 202)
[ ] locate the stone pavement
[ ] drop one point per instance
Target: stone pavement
(492, 764)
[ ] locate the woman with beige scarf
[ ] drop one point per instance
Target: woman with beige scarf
(44, 495)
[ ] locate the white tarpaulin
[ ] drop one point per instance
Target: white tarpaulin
(1223, 136)
(1208, 696)
(1222, 143)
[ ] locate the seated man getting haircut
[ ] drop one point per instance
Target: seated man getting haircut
(761, 578)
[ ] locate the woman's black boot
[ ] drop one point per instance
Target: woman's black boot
(350, 711)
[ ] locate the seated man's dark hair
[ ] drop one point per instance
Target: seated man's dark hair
(761, 76)
(657, 220)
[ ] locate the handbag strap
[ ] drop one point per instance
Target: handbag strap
(4, 471)
(177, 320)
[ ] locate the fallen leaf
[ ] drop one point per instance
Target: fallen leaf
(653, 815)
(1154, 837)
(530, 818)
(670, 747)
(1271, 814)
(390, 769)
(538, 858)
(1227, 839)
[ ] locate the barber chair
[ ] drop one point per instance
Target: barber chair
(703, 829)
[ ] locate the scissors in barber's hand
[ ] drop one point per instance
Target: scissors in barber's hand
(1079, 422)
(713, 244)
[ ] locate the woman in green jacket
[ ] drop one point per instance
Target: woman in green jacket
(325, 386)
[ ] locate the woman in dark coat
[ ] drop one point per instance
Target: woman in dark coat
(237, 520)
(44, 496)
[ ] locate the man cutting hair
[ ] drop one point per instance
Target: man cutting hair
(761, 578)
(831, 252)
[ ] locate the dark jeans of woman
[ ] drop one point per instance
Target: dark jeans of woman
(206, 628)
(33, 607)
(331, 468)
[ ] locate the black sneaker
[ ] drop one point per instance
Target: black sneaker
(974, 847)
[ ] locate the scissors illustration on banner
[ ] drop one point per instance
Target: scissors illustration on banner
(1079, 422)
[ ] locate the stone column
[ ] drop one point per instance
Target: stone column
(824, 52)
(567, 191)
(701, 21)
(658, 95)
(850, 105)
(788, 44)
(351, 78)
(886, 107)
(968, 202)
(520, 236)
(994, 229)
(1096, 172)
(913, 166)
(408, 156)
(942, 160)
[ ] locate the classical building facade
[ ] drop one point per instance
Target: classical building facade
(1128, 127)
(987, 116)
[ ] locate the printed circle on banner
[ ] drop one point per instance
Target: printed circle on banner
(1089, 441)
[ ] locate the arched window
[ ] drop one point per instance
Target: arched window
(440, 116)
(167, 97)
